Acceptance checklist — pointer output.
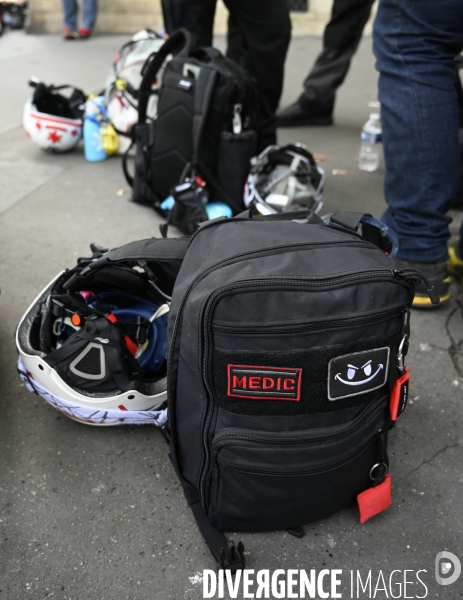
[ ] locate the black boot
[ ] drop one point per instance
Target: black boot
(305, 112)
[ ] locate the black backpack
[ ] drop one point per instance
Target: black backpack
(202, 125)
(286, 370)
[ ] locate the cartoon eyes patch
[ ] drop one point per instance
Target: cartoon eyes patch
(357, 373)
(354, 374)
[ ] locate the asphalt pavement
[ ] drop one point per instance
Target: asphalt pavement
(97, 513)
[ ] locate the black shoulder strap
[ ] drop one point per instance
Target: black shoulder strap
(226, 554)
(151, 249)
(179, 43)
(125, 168)
(203, 95)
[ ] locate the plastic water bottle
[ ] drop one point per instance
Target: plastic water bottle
(369, 147)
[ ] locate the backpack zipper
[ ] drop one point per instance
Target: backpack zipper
(414, 277)
(297, 471)
(314, 437)
(282, 329)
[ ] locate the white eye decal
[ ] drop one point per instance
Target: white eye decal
(367, 368)
(351, 371)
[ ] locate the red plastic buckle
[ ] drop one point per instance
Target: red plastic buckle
(374, 500)
(399, 395)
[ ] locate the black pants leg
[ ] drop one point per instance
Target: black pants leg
(259, 41)
(340, 41)
(197, 16)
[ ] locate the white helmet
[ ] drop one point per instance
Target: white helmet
(123, 83)
(284, 178)
(51, 120)
(93, 343)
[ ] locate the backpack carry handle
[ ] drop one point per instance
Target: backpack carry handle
(179, 43)
(373, 231)
(308, 215)
(208, 54)
(202, 101)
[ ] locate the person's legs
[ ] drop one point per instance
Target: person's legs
(195, 16)
(235, 44)
(69, 14)
(264, 28)
(340, 41)
(415, 44)
(89, 13)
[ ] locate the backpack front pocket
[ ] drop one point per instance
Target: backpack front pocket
(265, 481)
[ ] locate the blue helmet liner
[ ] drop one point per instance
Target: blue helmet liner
(126, 308)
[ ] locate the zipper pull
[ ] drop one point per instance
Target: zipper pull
(414, 276)
(237, 123)
(431, 291)
(405, 336)
(405, 328)
(403, 347)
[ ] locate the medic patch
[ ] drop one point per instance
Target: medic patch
(264, 383)
(357, 373)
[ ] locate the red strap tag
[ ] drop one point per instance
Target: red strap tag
(374, 500)
(399, 395)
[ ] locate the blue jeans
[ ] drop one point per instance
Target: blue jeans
(89, 12)
(415, 43)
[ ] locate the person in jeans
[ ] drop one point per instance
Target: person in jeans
(89, 13)
(340, 42)
(259, 36)
(415, 44)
